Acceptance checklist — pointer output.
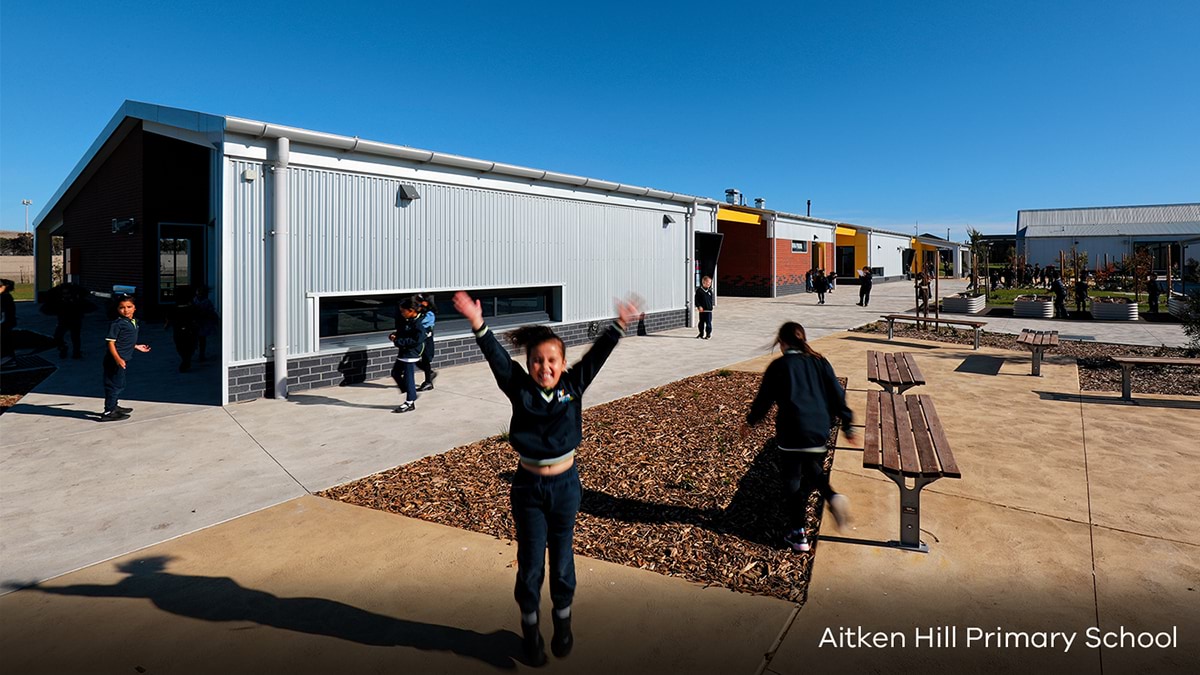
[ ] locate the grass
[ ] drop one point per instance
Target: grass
(22, 291)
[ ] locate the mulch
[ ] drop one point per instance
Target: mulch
(669, 486)
(1097, 370)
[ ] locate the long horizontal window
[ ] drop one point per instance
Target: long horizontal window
(360, 319)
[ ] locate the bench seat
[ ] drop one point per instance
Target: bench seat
(918, 319)
(1128, 362)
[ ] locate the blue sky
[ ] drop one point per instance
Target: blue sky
(886, 114)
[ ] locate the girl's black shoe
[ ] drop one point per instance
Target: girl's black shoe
(563, 639)
(534, 646)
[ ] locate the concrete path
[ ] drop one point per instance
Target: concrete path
(1066, 518)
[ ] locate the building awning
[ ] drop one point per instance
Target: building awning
(738, 216)
(846, 231)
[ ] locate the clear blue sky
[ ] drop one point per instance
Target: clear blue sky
(882, 113)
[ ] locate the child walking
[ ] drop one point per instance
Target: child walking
(122, 342)
(545, 430)
(410, 341)
(802, 384)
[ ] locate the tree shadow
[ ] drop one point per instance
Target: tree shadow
(311, 399)
(223, 599)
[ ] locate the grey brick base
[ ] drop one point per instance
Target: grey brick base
(352, 367)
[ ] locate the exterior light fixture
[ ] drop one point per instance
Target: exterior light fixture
(406, 194)
(667, 220)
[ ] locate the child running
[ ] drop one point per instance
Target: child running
(545, 430)
(122, 342)
(802, 384)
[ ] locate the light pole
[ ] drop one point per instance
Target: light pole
(26, 202)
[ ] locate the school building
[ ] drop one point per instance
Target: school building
(1167, 231)
(308, 239)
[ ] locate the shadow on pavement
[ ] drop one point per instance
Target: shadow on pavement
(223, 599)
(1116, 400)
(980, 364)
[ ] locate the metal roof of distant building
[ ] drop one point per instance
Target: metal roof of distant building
(1108, 221)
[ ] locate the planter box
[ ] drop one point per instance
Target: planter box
(1034, 309)
(1176, 307)
(959, 305)
(1114, 311)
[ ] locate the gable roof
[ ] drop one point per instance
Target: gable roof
(1107, 221)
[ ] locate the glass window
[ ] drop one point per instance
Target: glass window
(370, 316)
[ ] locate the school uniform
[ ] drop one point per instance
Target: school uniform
(427, 321)
(705, 301)
(546, 429)
(123, 333)
(410, 344)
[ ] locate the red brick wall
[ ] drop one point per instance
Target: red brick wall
(114, 191)
(744, 268)
(790, 267)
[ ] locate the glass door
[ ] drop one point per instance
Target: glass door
(174, 267)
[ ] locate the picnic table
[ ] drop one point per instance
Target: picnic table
(904, 439)
(1037, 341)
(896, 373)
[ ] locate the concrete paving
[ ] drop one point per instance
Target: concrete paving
(1087, 537)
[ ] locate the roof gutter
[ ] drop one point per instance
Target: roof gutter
(261, 130)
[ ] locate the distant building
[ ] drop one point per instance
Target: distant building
(1109, 233)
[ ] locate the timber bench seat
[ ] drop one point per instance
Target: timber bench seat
(904, 439)
(896, 373)
(1128, 362)
(1037, 341)
(918, 319)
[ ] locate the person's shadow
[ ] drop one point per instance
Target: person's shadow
(223, 599)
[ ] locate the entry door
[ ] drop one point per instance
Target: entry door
(181, 259)
(845, 261)
(708, 249)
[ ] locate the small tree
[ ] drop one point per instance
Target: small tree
(1140, 266)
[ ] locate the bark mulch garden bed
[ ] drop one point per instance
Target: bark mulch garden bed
(668, 486)
(1097, 370)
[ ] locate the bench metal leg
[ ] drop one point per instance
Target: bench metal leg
(977, 338)
(910, 513)
(1037, 363)
(891, 323)
(1127, 382)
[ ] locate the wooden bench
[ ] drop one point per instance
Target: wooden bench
(1128, 362)
(1037, 341)
(904, 439)
(896, 373)
(892, 318)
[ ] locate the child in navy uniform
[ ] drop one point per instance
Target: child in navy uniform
(428, 318)
(802, 384)
(410, 341)
(546, 428)
(704, 305)
(122, 342)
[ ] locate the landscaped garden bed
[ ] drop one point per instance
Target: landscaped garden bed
(668, 486)
(1034, 306)
(1114, 309)
(1097, 370)
(964, 303)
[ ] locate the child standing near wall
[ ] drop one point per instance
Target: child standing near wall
(864, 287)
(410, 341)
(121, 344)
(546, 429)
(802, 384)
(428, 310)
(704, 306)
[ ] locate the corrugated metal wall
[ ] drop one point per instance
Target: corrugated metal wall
(348, 234)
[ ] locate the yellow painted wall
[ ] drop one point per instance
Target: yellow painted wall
(861, 251)
(737, 216)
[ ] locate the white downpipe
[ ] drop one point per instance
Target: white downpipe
(280, 254)
(690, 262)
(774, 257)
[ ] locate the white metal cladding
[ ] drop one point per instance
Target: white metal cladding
(246, 236)
(1045, 250)
(887, 251)
(350, 235)
(1117, 220)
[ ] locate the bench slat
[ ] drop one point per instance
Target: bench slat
(887, 432)
(872, 365)
(892, 372)
(913, 370)
(871, 437)
(909, 464)
(940, 444)
(925, 453)
(902, 368)
(1156, 360)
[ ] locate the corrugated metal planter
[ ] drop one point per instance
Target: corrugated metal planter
(1034, 309)
(1177, 306)
(958, 304)
(1114, 311)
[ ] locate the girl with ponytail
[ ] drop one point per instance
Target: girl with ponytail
(809, 397)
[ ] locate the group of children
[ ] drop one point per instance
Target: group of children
(413, 338)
